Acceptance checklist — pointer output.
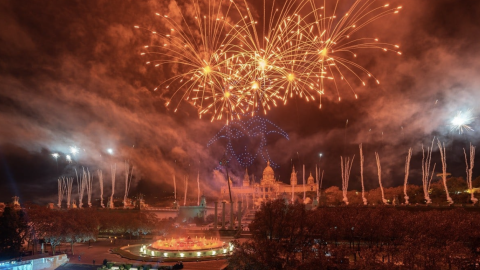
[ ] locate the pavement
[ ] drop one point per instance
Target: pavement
(210, 265)
(100, 250)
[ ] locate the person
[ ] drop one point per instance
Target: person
(93, 262)
(78, 257)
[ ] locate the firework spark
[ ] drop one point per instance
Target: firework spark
(73, 150)
(226, 65)
(462, 121)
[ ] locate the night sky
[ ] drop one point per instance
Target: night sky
(71, 75)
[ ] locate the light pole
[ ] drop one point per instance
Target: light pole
(224, 162)
(319, 186)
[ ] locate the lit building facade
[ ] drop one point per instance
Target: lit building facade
(269, 188)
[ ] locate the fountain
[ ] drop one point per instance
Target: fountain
(198, 248)
(187, 244)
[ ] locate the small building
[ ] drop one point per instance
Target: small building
(189, 212)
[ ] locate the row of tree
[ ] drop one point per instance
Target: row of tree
(286, 236)
(35, 224)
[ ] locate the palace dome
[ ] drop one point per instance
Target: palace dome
(268, 176)
(310, 179)
(268, 170)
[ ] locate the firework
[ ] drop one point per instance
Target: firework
(61, 191)
(462, 121)
(361, 175)
(426, 160)
(470, 171)
(225, 65)
(379, 172)
(100, 181)
(275, 60)
(346, 166)
(442, 149)
(206, 56)
(332, 46)
(128, 182)
(407, 172)
(73, 150)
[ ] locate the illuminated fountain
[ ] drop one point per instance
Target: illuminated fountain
(198, 248)
(187, 244)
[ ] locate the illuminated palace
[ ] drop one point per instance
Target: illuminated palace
(268, 188)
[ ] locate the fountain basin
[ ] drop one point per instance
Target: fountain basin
(187, 244)
(185, 249)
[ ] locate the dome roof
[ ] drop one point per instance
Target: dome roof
(268, 170)
(310, 179)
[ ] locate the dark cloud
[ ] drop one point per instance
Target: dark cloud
(71, 74)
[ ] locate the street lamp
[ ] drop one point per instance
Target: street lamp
(224, 162)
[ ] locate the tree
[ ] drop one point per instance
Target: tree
(79, 226)
(476, 182)
(47, 224)
(52, 229)
(13, 232)
(280, 238)
(457, 184)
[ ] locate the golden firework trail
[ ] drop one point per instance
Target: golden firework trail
(227, 65)
(333, 47)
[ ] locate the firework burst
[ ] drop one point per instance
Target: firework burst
(332, 48)
(205, 60)
(227, 65)
(462, 121)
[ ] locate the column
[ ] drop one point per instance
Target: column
(215, 218)
(230, 226)
(239, 216)
(223, 215)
